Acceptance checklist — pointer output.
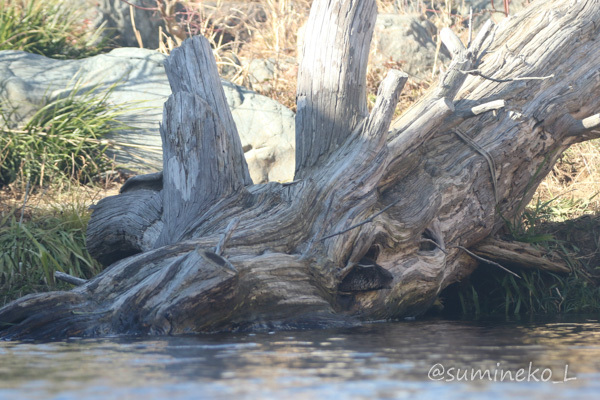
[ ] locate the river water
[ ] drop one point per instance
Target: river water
(428, 359)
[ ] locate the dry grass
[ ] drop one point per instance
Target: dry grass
(572, 188)
(29, 200)
(268, 29)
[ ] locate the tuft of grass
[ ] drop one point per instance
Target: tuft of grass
(547, 224)
(574, 182)
(62, 140)
(52, 28)
(34, 248)
(490, 292)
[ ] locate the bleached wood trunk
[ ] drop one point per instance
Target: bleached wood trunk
(215, 252)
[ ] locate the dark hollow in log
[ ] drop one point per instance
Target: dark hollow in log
(198, 248)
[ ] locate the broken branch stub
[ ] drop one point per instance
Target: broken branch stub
(199, 168)
(192, 68)
(331, 96)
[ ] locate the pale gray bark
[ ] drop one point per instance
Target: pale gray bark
(199, 168)
(195, 71)
(332, 94)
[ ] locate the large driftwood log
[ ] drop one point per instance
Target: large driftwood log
(375, 224)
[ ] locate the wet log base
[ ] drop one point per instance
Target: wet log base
(373, 226)
(519, 255)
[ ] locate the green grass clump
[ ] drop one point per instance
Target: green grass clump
(491, 291)
(494, 292)
(61, 141)
(52, 28)
(33, 249)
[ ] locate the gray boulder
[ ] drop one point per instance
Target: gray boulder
(115, 14)
(403, 39)
(407, 40)
(266, 127)
(486, 5)
(483, 10)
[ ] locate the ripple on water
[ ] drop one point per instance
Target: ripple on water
(379, 361)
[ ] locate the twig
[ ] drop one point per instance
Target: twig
(470, 27)
(228, 232)
(522, 255)
(370, 219)
(461, 114)
(485, 260)
(140, 7)
(489, 106)
(438, 47)
(73, 280)
(137, 34)
(24, 204)
(576, 127)
(488, 157)
(434, 243)
(452, 42)
(284, 184)
(476, 72)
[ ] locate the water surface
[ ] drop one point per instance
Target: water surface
(437, 359)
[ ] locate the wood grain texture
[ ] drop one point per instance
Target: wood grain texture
(331, 97)
(192, 68)
(199, 166)
(124, 225)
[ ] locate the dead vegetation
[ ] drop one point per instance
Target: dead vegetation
(244, 31)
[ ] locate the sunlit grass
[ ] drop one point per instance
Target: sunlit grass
(46, 161)
(46, 241)
(565, 227)
(53, 28)
(62, 140)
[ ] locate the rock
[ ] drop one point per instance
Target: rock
(229, 64)
(267, 130)
(261, 70)
(407, 40)
(266, 127)
(481, 5)
(228, 20)
(483, 10)
(116, 15)
(403, 39)
(267, 74)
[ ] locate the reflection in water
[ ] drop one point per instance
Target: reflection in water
(390, 360)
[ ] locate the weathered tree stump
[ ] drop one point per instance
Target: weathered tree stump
(378, 219)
